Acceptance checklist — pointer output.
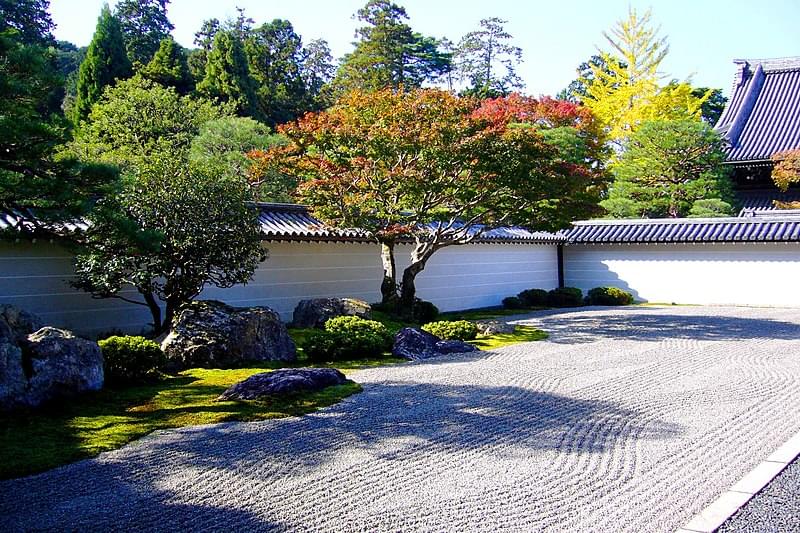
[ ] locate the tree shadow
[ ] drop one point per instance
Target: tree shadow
(589, 324)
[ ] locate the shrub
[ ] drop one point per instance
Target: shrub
(131, 359)
(533, 298)
(609, 296)
(425, 311)
(461, 330)
(348, 337)
(512, 302)
(565, 297)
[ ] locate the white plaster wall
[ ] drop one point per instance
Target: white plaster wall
(735, 273)
(35, 276)
(481, 275)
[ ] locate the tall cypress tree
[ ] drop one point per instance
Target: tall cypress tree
(227, 76)
(169, 67)
(106, 61)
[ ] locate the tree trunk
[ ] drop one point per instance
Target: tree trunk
(389, 284)
(155, 312)
(408, 288)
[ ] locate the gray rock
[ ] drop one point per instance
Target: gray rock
(414, 344)
(13, 381)
(314, 313)
(282, 382)
(211, 334)
(55, 364)
(491, 327)
(16, 324)
(455, 346)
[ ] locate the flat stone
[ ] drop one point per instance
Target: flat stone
(282, 382)
(455, 346)
(492, 327)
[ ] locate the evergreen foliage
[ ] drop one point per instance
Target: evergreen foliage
(227, 75)
(667, 166)
(487, 60)
(389, 53)
(169, 67)
(144, 25)
(30, 175)
(106, 62)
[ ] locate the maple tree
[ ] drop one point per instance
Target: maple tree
(438, 170)
(787, 168)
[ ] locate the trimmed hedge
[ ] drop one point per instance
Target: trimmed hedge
(460, 330)
(533, 297)
(348, 337)
(512, 302)
(565, 297)
(131, 359)
(609, 296)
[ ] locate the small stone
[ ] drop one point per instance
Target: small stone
(282, 382)
(492, 327)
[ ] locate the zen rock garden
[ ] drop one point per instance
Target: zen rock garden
(39, 364)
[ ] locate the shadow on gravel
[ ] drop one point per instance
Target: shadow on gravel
(147, 484)
(575, 327)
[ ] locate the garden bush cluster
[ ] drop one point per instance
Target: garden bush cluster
(131, 359)
(608, 296)
(461, 330)
(348, 337)
(568, 297)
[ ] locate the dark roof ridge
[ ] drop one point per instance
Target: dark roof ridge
(773, 64)
(782, 215)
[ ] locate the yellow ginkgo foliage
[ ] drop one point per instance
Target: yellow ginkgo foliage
(626, 89)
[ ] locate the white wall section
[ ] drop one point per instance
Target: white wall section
(35, 277)
(730, 273)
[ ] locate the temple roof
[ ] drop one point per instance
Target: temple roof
(762, 116)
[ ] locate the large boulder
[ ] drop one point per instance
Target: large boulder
(211, 334)
(54, 363)
(282, 382)
(414, 344)
(314, 313)
(16, 324)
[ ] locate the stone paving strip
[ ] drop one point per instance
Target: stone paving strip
(632, 419)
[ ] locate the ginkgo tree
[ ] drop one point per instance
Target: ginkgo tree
(625, 86)
(429, 167)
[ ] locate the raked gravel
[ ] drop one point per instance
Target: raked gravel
(629, 419)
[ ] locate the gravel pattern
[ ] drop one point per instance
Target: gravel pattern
(776, 509)
(628, 419)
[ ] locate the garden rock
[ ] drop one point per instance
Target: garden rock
(455, 346)
(493, 327)
(314, 313)
(54, 363)
(211, 334)
(282, 382)
(16, 324)
(414, 344)
(12, 378)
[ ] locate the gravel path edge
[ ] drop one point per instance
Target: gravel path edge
(736, 497)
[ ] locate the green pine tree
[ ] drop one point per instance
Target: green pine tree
(227, 77)
(106, 61)
(169, 67)
(144, 25)
(389, 53)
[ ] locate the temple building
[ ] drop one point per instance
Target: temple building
(761, 118)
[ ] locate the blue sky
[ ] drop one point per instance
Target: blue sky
(704, 35)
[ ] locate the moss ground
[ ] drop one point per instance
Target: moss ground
(36, 441)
